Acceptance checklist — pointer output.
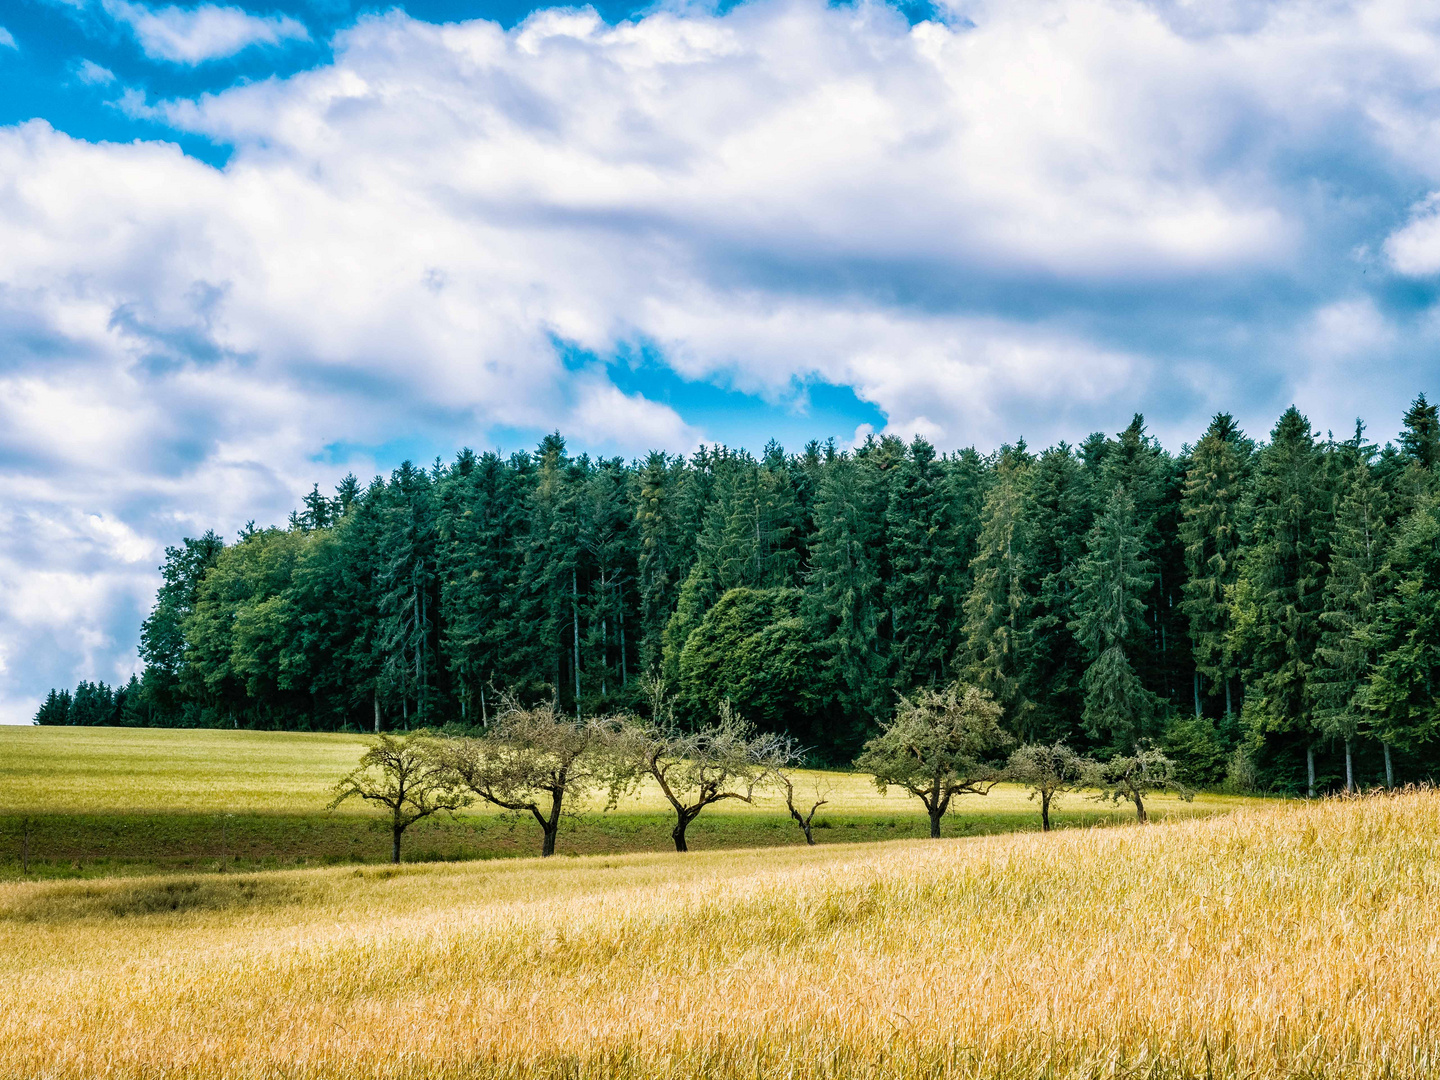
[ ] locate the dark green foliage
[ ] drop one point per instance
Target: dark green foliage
(996, 652)
(1111, 582)
(1212, 509)
(1401, 697)
(752, 646)
(1274, 602)
(1280, 591)
(1345, 653)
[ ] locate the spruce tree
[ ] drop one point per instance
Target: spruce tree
(920, 597)
(1111, 581)
(1210, 528)
(1401, 697)
(1420, 437)
(660, 531)
(844, 593)
(1058, 516)
(1280, 591)
(996, 652)
(1355, 582)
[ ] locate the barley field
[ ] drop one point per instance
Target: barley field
(1292, 940)
(106, 801)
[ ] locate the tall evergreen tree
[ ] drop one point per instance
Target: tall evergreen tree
(661, 531)
(1111, 581)
(996, 653)
(1210, 528)
(844, 594)
(1058, 517)
(1344, 655)
(920, 596)
(1402, 697)
(162, 636)
(1280, 591)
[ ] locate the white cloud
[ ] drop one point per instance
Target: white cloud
(1028, 226)
(7, 39)
(1414, 249)
(207, 32)
(93, 74)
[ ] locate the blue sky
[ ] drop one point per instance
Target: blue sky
(245, 247)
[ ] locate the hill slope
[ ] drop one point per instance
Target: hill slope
(1287, 941)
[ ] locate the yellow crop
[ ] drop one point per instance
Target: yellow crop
(1287, 941)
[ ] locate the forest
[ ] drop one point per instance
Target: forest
(1266, 611)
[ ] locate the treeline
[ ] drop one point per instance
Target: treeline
(1265, 612)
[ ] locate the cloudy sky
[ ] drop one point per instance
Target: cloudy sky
(247, 248)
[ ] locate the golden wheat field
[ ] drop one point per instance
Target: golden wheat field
(1292, 940)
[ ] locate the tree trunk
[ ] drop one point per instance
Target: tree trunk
(552, 824)
(575, 615)
(1045, 811)
(1310, 768)
(1140, 814)
(1228, 708)
(376, 696)
(620, 618)
(1349, 769)
(1197, 695)
(935, 815)
(419, 644)
(1389, 770)
(678, 833)
(809, 833)
(395, 848)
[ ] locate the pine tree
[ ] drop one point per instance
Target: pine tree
(1420, 438)
(1401, 697)
(1110, 582)
(920, 596)
(1280, 591)
(408, 581)
(1355, 582)
(1210, 529)
(1412, 474)
(54, 710)
(661, 538)
(162, 636)
(996, 653)
(844, 592)
(1058, 516)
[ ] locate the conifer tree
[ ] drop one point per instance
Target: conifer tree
(1110, 582)
(1210, 529)
(996, 652)
(844, 596)
(1280, 592)
(1401, 696)
(1355, 582)
(1058, 516)
(661, 537)
(920, 596)
(1413, 472)
(1420, 438)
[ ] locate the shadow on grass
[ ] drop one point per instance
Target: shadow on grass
(103, 845)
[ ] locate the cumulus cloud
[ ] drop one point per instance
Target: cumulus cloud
(1414, 249)
(207, 32)
(1029, 218)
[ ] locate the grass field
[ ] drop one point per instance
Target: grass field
(1286, 941)
(105, 801)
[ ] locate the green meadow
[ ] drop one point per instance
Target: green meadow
(104, 801)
